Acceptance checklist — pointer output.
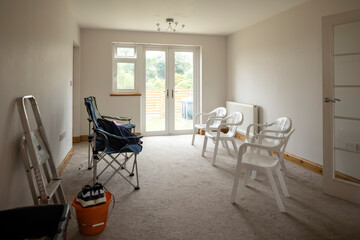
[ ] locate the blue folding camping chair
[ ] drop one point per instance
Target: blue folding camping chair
(115, 145)
(129, 125)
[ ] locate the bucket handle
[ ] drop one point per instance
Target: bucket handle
(113, 201)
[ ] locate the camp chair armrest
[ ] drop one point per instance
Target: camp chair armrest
(107, 134)
(117, 118)
(134, 137)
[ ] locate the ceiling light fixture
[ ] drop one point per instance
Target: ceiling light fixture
(172, 26)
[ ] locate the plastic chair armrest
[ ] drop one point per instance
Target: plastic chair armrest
(201, 114)
(261, 137)
(261, 124)
(228, 124)
(217, 118)
(269, 136)
(231, 124)
(210, 122)
(244, 146)
(247, 135)
(274, 131)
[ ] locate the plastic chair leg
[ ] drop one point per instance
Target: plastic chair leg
(236, 181)
(215, 151)
(247, 175)
(253, 174)
(282, 182)
(275, 191)
(193, 137)
(204, 146)
(234, 146)
(283, 166)
(226, 146)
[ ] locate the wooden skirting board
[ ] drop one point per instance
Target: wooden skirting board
(82, 138)
(240, 136)
(79, 139)
(64, 162)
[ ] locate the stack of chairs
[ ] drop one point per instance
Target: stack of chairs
(114, 144)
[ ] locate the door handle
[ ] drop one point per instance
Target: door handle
(332, 100)
(172, 93)
(167, 93)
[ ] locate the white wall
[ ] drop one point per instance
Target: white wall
(277, 64)
(36, 44)
(96, 69)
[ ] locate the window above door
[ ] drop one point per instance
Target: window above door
(125, 61)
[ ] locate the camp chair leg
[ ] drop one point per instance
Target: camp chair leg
(137, 174)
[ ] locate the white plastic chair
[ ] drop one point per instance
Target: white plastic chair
(219, 112)
(278, 128)
(232, 121)
(258, 157)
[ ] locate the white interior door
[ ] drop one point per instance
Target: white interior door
(171, 78)
(341, 108)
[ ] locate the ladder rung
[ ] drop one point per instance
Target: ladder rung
(52, 187)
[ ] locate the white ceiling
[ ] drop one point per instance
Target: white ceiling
(216, 17)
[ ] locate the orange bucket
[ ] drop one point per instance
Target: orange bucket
(92, 220)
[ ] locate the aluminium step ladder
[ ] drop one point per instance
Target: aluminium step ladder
(45, 184)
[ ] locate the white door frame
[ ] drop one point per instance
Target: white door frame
(333, 186)
(170, 75)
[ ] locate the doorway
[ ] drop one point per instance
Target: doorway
(341, 112)
(171, 86)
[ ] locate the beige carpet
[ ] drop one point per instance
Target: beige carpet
(183, 196)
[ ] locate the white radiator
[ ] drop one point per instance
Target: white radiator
(250, 113)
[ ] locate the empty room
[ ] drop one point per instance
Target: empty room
(194, 119)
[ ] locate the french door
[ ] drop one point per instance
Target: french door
(341, 111)
(171, 86)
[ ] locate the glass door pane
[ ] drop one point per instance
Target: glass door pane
(155, 76)
(347, 96)
(183, 90)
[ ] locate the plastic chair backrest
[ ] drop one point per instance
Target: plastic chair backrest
(234, 118)
(279, 127)
(219, 112)
(283, 124)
